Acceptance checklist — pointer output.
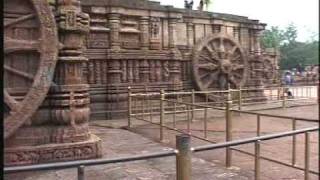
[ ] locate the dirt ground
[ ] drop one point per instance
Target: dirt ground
(244, 126)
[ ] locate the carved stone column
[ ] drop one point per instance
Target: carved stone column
(190, 34)
(172, 33)
(59, 130)
(154, 30)
(70, 94)
(114, 20)
(244, 37)
(236, 33)
(144, 27)
(257, 37)
(252, 44)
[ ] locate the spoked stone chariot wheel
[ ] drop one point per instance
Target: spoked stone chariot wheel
(218, 60)
(31, 49)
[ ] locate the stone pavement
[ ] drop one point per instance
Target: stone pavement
(244, 126)
(119, 142)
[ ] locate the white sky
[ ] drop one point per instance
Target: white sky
(302, 13)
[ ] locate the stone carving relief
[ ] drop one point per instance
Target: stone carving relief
(154, 33)
(129, 33)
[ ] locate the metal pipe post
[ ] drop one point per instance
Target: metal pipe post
(257, 160)
(205, 123)
(189, 119)
(174, 115)
(183, 157)
(278, 93)
(228, 129)
(129, 106)
(142, 106)
(161, 113)
(240, 99)
(258, 125)
(318, 92)
(307, 156)
(193, 102)
(294, 139)
(283, 98)
(81, 173)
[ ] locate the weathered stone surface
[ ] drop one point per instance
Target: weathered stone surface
(48, 105)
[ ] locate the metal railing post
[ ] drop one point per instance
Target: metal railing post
(161, 113)
(294, 138)
(81, 173)
(257, 160)
(183, 157)
(228, 129)
(258, 125)
(318, 89)
(188, 119)
(193, 102)
(205, 123)
(278, 93)
(174, 115)
(142, 106)
(240, 99)
(283, 98)
(129, 106)
(307, 156)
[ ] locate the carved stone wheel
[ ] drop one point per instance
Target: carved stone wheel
(268, 71)
(218, 60)
(30, 50)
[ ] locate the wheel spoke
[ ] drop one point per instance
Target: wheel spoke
(22, 18)
(12, 45)
(231, 52)
(237, 66)
(212, 79)
(208, 66)
(209, 49)
(233, 81)
(11, 102)
(237, 75)
(236, 58)
(204, 75)
(19, 73)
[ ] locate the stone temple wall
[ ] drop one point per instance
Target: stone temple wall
(150, 47)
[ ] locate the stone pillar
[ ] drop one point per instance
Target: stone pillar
(144, 27)
(257, 37)
(244, 37)
(59, 130)
(236, 33)
(190, 34)
(69, 94)
(252, 44)
(114, 20)
(217, 26)
(172, 33)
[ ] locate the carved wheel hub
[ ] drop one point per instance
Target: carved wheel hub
(30, 48)
(218, 60)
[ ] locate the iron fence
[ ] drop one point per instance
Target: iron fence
(144, 106)
(228, 109)
(183, 155)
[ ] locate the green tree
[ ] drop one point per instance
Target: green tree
(292, 52)
(272, 38)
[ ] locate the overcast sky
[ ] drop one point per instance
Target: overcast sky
(303, 13)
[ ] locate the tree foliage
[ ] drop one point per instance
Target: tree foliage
(292, 52)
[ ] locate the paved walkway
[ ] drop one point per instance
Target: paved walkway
(119, 142)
